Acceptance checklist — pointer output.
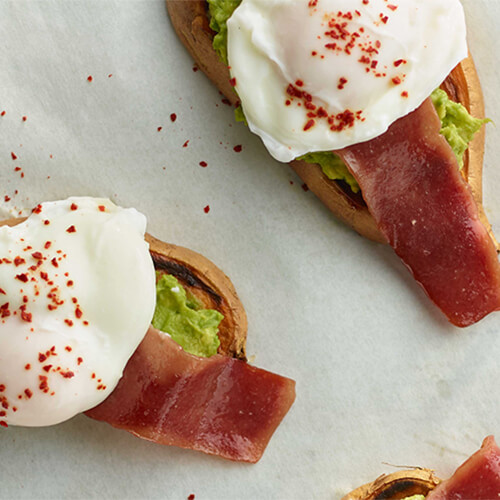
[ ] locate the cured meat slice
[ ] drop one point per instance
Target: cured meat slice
(476, 479)
(218, 405)
(412, 186)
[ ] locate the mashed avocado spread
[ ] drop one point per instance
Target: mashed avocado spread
(193, 328)
(457, 126)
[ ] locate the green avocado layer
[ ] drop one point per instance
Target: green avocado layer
(458, 126)
(193, 328)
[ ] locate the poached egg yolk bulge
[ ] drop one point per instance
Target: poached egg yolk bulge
(77, 295)
(321, 75)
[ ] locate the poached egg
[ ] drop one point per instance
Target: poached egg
(77, 295)
(321, 75)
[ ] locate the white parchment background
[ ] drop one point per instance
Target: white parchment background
(381, 376)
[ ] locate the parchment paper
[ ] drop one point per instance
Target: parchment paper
(381, 376)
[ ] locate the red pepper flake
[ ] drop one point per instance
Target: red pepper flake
(54, 262)
(185, 145)
(44, 386)
(26, 316)
(6, 198)
(207, 209)
(312, 3)
(47, 368)
(392, 7)
(28, 393)
(238, 148)
(22, 277)
(397, 80)
(404, 94)
(41, 357)
(2, 387)
(25, 118)
(2, 291)
(4, 424)
(399, 62)
(304, 187)
(89, 78)
(47, 245)
(79, 361)
(27, 366)
(78, 313)
(70, 283)
(68, 348)
(18, 261)
(68, 374)
(309, 125)
(195, 68)
(4, 311)
(71, 229)
(46, 222)
(13, 156)
(37, 209)
(73, 206)
(68, 322)
(37, 255)
(173, 117)
(203, 164)
(342, 82)
(233, 82)
(2, 113)
(159, 129)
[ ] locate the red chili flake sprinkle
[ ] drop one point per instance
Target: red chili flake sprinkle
(159, 129)
(3, 413)
(384, 19)
(37, 255)
(399, 62)
(2, 387)
(233, 82)
(68, 374)
(397, 80)
(173, 117)
(404, 94)
(71, 229)
(2, 291)
(5, 404)
(54, 262)
(342, 82)
(312, 3)
(25, 118)
(70, 283)
(6, 198)
(47, 368)
(28, 393)
(22, 277)
(304, 187)
(26, 316)
(392, 7)
(4, 311)
(78, 313)
(309, 125)
(79, 361)
(203, 164)
(195, 68)
(47, 244)
(2, 113)
(14, 156)
(238, 148)
(18, 261)
(27, 367)
(299, 83)
(68, 322)
(74, 206)
(46, 222)
(68, 348)
(185, 145)
(4, 424)
(41, 357)
(207, 209)
(86, 323)
(89, 78)
(44, 386)
(93, 375)
(37, 209)
(110, 75)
